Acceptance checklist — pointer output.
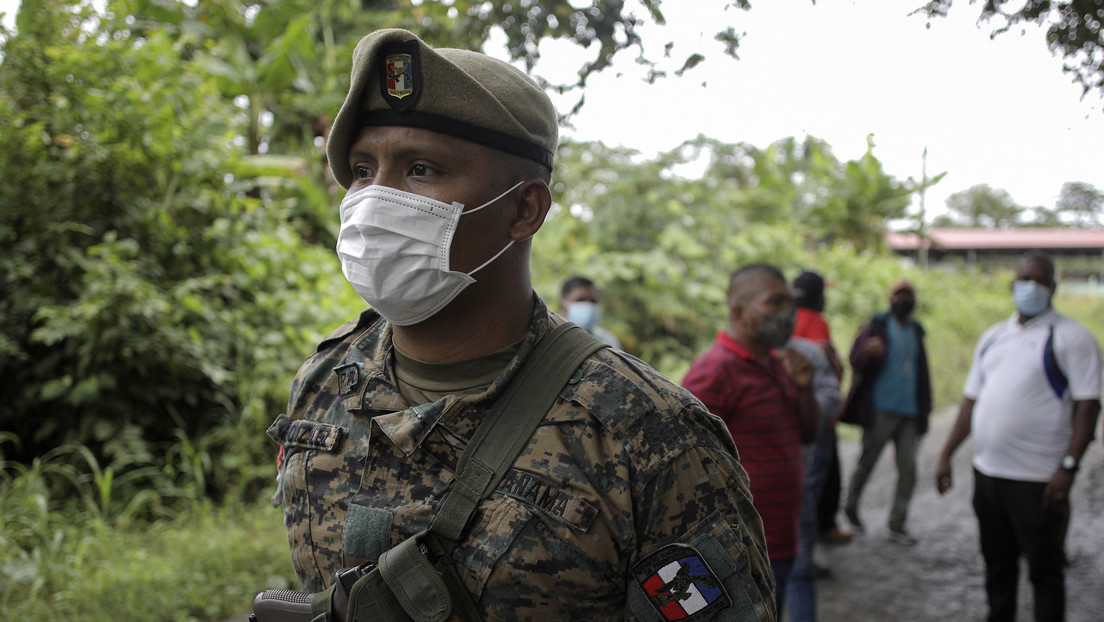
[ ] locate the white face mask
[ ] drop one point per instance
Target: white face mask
(394, 249)
(584, 313)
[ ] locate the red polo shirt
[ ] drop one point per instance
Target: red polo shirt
(758, 402)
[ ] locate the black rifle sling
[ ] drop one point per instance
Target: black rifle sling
(510, 423)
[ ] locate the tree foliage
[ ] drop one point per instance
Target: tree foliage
(982, 206)
(1073, 29)
(1081, 202)
(1078, 205)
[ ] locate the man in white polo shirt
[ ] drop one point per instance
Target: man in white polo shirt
(1031, 401)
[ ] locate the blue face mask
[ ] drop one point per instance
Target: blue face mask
(585, 314)
(1030, 298)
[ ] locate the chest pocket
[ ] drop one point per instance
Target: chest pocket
(318, 470)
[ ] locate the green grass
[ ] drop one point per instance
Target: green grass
(204, 565)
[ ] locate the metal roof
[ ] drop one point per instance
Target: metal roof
(1024, 238)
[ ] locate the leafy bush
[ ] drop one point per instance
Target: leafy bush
(145, 293)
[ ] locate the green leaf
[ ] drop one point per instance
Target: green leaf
(53, 389)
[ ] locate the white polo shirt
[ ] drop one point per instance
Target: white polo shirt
(1021, 426)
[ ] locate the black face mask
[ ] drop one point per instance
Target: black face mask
(902, 308)
(775, 329)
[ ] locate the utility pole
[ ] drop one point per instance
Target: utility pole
(922, 229)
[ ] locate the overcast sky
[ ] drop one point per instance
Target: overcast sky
(994, 111)
(999, 112)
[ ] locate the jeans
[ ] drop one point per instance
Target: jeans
(781, 569)
(1013, 522)
(801, 590)
(902, 431)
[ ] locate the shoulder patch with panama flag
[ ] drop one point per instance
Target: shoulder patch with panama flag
(680, 584)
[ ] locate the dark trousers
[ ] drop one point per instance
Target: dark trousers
(1013, 522)
(828, 503)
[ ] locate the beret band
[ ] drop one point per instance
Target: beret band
(460, 129)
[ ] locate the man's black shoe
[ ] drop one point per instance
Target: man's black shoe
(852, 515)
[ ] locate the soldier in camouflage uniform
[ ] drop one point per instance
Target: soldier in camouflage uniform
(628, 501)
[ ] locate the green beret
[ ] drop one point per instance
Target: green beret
(399, 80)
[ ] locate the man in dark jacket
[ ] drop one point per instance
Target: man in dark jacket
(890, 398)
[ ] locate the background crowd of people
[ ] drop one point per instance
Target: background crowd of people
(1031, 421)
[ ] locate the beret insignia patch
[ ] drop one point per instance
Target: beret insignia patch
(679, 583)
(401, 75)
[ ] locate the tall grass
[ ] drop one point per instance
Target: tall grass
(205, 564)
(137, 538)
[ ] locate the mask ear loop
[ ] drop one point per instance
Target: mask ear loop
(497, 255)
(494, 200)
(488, 203)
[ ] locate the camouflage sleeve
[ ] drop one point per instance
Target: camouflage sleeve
(701, 543)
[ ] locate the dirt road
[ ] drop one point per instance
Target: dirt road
(941, 578)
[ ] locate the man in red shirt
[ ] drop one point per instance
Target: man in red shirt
(766, 399)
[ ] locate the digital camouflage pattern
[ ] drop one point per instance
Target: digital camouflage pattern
(623, 464)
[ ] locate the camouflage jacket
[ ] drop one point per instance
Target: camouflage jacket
(629, 501)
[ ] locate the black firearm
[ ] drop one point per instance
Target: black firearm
(281, 606)
(292, 606)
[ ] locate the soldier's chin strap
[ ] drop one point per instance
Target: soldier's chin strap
(418, 574)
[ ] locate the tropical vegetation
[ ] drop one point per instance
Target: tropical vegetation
(167, 224)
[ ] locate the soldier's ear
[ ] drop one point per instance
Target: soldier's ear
(533, 202)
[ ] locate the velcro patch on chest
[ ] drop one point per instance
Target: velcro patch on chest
(679, 583)
(348, 377)
(311, 435)
(548, 498)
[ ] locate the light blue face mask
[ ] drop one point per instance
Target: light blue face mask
(1030, 298)
(585, 314)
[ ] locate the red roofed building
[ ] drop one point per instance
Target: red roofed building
(1078, 253)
